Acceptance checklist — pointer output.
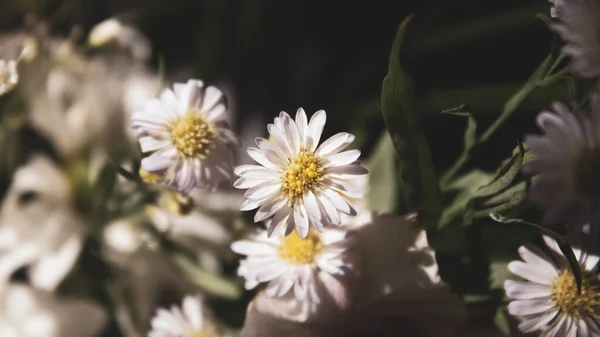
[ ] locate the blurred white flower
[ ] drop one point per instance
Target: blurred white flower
(306, 266)
(105, 32)
(38, 227)
(28, 312)
(9, 76)
(398, 293)
(548, 300)
(202, 234)
(193, 319)
(187, 136)
(299, 183)
(567, 162)
(579, 28)
(113, 30)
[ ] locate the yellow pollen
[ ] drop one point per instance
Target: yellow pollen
(564, 293)
(193, 136)
(302, 174)
(149, 177)
(295, 250)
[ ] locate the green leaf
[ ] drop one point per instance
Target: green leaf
(563, 244)
(461, 110)
(504, 177)
(383, 195)
(209, 282)
(467, 185)
(125, 173)
(470, 133)
(502, 322)
(418, 180)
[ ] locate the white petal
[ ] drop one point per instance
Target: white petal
(51, 268)
(263, 191)
(529, 307)
(291, 130)
(532, 273)
(339, 202)
(334, 144)
(269, 208)
(149, 144)
(279, 220)
(330, 210)
(315, 129)
(260, 157)
(539, 260)
(312, 206)
(301, 220)
(302, 123)
(281, 140)
(247, 247)
(343, 158)
(537, 323)
(192, 308)
(525, 290)
(211, 97)
(156, 163)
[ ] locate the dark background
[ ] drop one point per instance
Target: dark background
(281, 55)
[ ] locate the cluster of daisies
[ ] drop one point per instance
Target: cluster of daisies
(302, 186)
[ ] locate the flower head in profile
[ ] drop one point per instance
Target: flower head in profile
(579, 28)
(289, 263)
(187, 136)
(8, 75)
(566, 165)
(191, 320)
(548, 299)
(299, 182)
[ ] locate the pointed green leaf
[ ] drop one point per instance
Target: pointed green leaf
(504, 177)
(418, 180)
(563, 244)
(383, 194)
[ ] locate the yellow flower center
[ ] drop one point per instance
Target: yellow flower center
(564, 293)
(295, 250)
(585, 173)
(149, 177)
(302, 174)
(193, 136)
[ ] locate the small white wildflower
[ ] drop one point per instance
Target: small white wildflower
(548, 299)
(9, 77)
(566, 165)
(191, 320)
(579, 28)
(307, 266)
(299, 183)
(188, 137)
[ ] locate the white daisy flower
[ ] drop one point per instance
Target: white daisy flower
(396, 291)
(299, 183)
(548, 300)
(189, 139)
(567, 160)
(306, 266)
(8, 75)
(191, 320)
(579, 28)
